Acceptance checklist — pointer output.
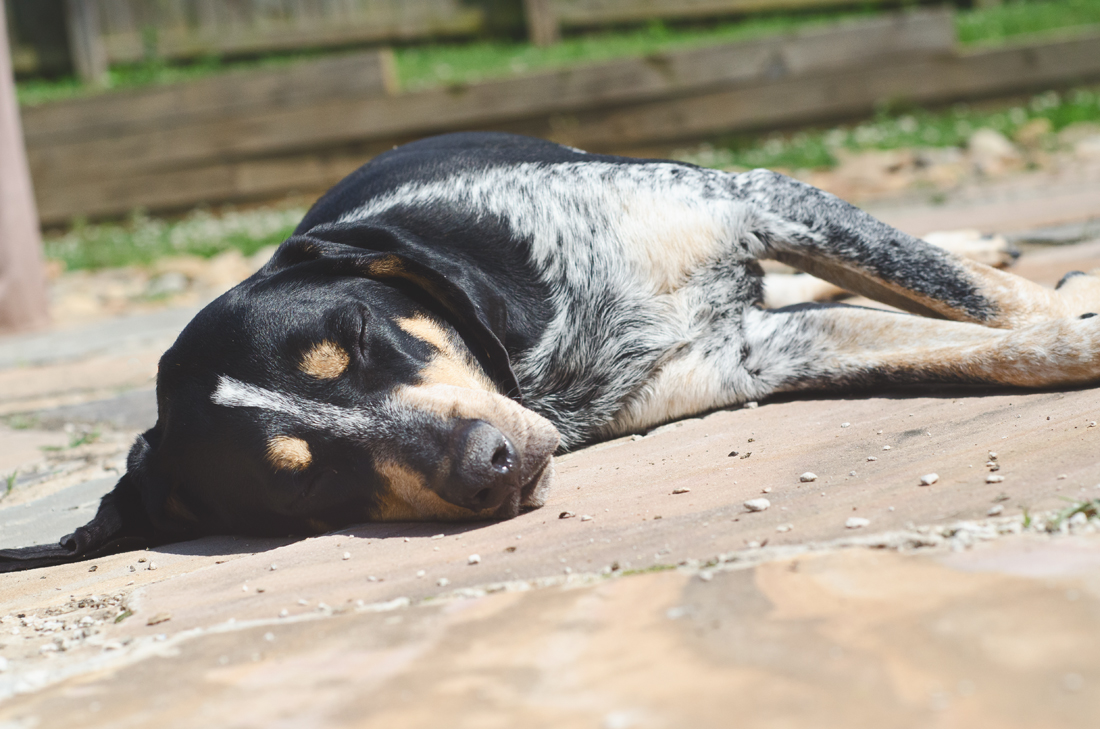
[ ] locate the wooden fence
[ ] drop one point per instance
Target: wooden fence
(261, 135)
(97, 33)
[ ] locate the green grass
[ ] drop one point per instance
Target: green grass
(435, 65)
(142, 239)
(431, 65)
(894, 129)
(1015, 18)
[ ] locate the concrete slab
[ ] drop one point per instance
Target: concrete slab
(46, 520)
(856, 638)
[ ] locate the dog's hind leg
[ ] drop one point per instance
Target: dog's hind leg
(820, 234)
(821, 346)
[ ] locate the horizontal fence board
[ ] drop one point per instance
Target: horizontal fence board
(823, 97)
(342, 121)
(218, 97)
(584, 13)
(134, 29)
(615, 107)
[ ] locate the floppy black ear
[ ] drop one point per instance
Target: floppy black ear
(121, 524)
(468, 298)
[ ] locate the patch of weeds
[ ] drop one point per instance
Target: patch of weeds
(123, 615)
(85, 438)
(143, 239)
(650, 569)
(992, 25)
(9, 482)
(19, 422)
(895, 126)
(1091, 509)
(1027, 517)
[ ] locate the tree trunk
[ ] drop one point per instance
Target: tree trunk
(23, 299)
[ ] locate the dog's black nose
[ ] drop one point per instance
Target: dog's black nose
(485, 467)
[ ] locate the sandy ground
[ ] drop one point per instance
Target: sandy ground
(962, 603)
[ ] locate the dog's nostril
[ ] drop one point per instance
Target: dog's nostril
(502, 459)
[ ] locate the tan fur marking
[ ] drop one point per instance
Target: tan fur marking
(177, 509)
(385, 267)
(1050, 353)
(409, 498)
(325, 361)
(451, 366)
(318, 526)
(287, 453)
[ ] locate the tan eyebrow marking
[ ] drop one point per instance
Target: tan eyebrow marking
(285, 452)
(325, 361)
(450, 366)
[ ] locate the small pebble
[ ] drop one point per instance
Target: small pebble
(992, 456)
(273, 567)
(437, 536)
(303, 601)
(406, 539)
(733, 453)
(757, 504)
(856, 522)
(566, 515)
(706, 576)
(421, 573)
(283, 613)
(586, 517)
(681, 490)
(851, 473)
(784, 527)
(886, 448)
(1062, 477)
(442, 582)
(752, 404)
(871, 458)
(1092, 423)
(269, 637)
(929, 478)
(845, 425)
(3, 664)
(152, 566)
(808, 477)
(473, 559)
(244, 588)
(994, 478)
(159, 618)
(347, 555)
(766, 490)
(995, 510)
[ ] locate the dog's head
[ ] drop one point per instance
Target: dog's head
(356, 377)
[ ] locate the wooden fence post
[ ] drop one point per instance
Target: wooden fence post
(23, 301)
(86, 41)
(542, 24)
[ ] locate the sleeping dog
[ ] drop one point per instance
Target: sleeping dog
(459, 309)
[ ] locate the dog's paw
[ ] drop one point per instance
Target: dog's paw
(1081, 293)
(992, 250)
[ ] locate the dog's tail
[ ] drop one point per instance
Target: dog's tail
(121, 524)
